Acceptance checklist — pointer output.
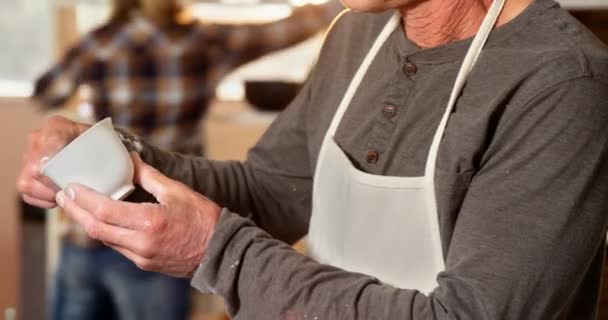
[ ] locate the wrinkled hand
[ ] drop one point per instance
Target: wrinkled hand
(42, 144)
(170, 237)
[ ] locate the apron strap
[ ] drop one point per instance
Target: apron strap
(465, 70)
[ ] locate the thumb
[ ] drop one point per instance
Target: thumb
(151, 179)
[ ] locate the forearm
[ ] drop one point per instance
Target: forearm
(263, 278)
(301, 24)
(59, 83)
(224, 182)
(50, 93)
(249, 42)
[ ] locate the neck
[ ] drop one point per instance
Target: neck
(434, 23)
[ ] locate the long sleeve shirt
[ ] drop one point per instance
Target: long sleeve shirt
(521, 180)
(158, 81)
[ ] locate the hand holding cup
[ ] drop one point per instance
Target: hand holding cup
(42, 144)
(64, 152)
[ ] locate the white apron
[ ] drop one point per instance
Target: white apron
(382, 226)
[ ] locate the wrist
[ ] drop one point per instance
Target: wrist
(209, 218)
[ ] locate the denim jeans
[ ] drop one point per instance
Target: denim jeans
(100, 283)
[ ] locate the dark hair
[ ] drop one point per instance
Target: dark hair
(122, 10)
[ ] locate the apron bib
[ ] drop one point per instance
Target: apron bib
(386, 227)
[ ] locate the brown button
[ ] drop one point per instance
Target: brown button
(410, 69)
(389, 111)
(372, 157)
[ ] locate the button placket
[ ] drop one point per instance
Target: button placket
(387, 112)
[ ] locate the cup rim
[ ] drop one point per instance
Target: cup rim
(72, 143)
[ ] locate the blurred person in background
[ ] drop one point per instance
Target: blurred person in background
(154, 72)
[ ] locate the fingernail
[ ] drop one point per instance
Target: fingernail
(60, 198)
(42, 162)
(70, 193)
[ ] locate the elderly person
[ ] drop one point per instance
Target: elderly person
(437, 176)
(154, 74)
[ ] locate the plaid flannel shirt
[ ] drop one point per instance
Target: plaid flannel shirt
(158, 82)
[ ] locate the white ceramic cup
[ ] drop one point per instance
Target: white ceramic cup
(96, 159)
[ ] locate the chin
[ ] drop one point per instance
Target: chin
(366, 5)
(378, 5)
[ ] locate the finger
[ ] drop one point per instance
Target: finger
(46, 181)
(52, 142)
(41, 164)
(38, 203)
(35, 171)
(36, 189)
(151, 179)
(123, 214)
(95, 229)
